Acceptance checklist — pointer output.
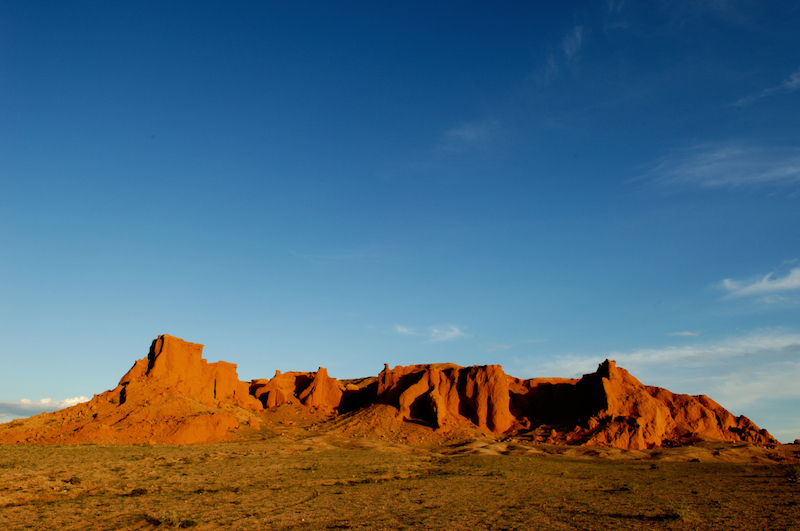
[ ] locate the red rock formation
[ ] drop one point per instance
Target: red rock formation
(639, 416)
(174, 396)
(446, 395)
(313, 389)
(323, 391)
(171, 396)
(281, 389)
(612, 408)
(178, 367)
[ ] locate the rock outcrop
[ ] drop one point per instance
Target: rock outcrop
(605, 408)
(313, 389)
(175, 396)
(612, 408)
(171, 396)
(447, 395)
(177, 367)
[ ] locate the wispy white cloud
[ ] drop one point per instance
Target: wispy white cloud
(467, 136)
(764, 341)
(560, 56)
(493, 348)
(727, 166)
(549, 69)
(747, 374)
(467, 133)
(740, 372)
(615, 6)
(406, 331)
(766, 285)
(684, 334)
(446, 333)
(750, 344)
(571, 42)
(771, 381)
(789, 84)
(434, 334)
(26, 408)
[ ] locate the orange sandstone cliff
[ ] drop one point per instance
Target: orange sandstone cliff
(313, 389)
(612, 408)
(175, 396)
(171, 396)
(177, 367)
(446, 395)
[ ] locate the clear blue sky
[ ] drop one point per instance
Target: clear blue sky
(347, 184)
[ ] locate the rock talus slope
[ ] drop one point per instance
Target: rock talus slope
(175, 396)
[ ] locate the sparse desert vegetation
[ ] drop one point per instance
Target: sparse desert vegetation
(301, 480)
(401, 463)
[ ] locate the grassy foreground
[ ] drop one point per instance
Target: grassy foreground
(312, 482)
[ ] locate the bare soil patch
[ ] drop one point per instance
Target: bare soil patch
(295, 479)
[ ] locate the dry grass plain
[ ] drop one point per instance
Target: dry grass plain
(296, 479)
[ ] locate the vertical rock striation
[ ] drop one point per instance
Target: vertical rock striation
(177, 367)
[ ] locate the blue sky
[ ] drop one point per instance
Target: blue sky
(351, 184)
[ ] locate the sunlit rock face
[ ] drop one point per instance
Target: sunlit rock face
(612, 408)
(175, 396)
(313, 389)
(171, 396)
(446, 395)
(178, 367)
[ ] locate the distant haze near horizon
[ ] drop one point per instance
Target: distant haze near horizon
(352, 184)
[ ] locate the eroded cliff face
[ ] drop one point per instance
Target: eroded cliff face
(175, 366)
(171, 396)
(446, 395)
(313, 389)
(175, 396)
(443, 395)
(612, 408)
(606, 408)
(640, 416)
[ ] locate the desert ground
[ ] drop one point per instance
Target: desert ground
(393, 463)
(291, 477)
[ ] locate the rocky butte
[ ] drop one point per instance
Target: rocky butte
(175, 396)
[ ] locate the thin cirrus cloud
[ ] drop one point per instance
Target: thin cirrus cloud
(406, 331)
(570, 45)
(496, 347)
(759, 343)
(434, 334)
(770, 381)
(446, 333)
(769, 284)
(740, 372)
(571, 42)
(684, 334)
(788, 85)
(615, 5)
(467, 136)
(727, 166)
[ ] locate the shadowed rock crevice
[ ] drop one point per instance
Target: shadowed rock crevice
(358, 394)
